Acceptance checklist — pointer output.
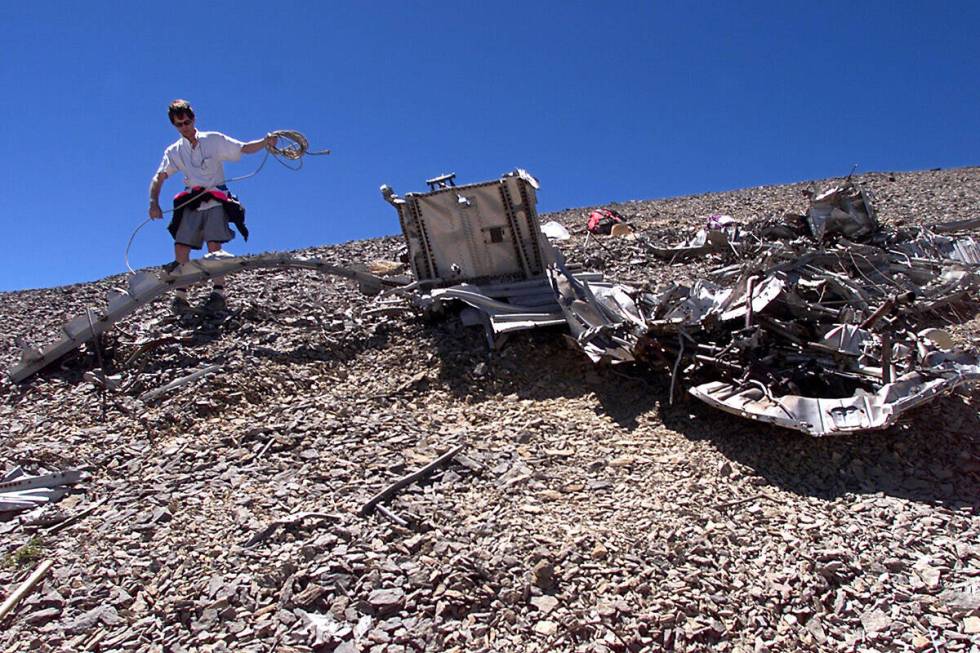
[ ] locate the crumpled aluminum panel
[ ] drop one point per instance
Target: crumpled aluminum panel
(843, 210)
(819, 416)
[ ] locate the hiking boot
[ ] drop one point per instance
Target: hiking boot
(180, 306)
(215, 303)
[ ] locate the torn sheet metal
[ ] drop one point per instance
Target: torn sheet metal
(843, 210)
(862, 411)
(752, 295)
(505, 307)
(847, 339)
(603, 318)
(144, 287)
(928, 245)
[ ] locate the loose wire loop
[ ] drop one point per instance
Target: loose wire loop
(294, 150)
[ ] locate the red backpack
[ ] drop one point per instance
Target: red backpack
(601, 221)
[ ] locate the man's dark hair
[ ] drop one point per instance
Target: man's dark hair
(179, 108)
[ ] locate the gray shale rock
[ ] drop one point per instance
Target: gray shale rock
(668, 525)
(387, 602)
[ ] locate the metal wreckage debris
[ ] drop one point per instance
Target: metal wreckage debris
(819, 322)
(19, 490)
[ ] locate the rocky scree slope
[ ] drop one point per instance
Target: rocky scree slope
(590, 516)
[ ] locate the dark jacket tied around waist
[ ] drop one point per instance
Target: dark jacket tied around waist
(189, 200)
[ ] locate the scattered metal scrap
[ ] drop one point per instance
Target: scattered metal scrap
(386, 494)
(20, 491)
(814, 331)
(818, 323)
(144, 287)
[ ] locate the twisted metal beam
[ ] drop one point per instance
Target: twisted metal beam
(144, 287)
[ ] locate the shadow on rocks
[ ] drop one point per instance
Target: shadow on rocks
(344, 350)
(538, 366)
(932, 457)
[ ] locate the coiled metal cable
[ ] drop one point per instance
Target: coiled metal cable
(300, 146)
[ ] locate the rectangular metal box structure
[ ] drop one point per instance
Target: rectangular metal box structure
(483, 231)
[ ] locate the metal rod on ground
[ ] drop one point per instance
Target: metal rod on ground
(736, 502)
(150, 395)
(24, 588)
(886, 358)
(391, 516)
(393, 489)
(104, 387)
(74, 518)
(94, 642)
(265, 447)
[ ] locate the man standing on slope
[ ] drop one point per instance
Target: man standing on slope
(205, 207)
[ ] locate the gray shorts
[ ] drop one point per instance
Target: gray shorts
(209, 225)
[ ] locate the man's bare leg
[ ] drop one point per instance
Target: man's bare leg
(216, 301)
(217, 282)
(182, 254)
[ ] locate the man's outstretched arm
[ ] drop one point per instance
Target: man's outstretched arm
(261, 144)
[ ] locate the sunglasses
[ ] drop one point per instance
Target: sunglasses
(183, 123)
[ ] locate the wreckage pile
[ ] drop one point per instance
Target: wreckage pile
(228, 468)
(818, 322)
(814, 325)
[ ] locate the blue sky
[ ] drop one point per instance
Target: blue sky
(603, 102)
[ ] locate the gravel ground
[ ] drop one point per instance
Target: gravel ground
(587, 514)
